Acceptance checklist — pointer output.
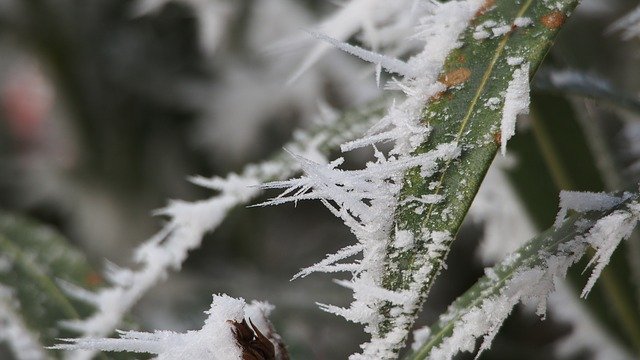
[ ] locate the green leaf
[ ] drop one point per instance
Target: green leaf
(551, 243)
(35, 259)
(460, 114)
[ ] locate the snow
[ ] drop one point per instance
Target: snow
(420, 336)
(390, 64)
(516, 102)
(373, 17)
(513, 61)
(501, 30)
(605, 237)
(492, 103)
(23, 344)
(404, 239)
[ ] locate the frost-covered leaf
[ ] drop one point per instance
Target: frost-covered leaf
(478, 75)
(530, 275)
(34, 263)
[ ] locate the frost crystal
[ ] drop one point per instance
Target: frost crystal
(522, 22)
(516, 102)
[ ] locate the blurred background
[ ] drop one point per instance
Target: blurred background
(107, 106)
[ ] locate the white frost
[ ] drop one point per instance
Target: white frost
(522, 22)
(184, 231)
(516, 102)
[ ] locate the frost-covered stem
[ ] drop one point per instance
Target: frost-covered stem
(474, 130)
(189, 221)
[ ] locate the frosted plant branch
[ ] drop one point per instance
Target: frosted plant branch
(189, 221)
(23, 343)
(530, 275)
(226, 335)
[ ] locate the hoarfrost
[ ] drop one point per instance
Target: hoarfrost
(516, 102)
(522, 22)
